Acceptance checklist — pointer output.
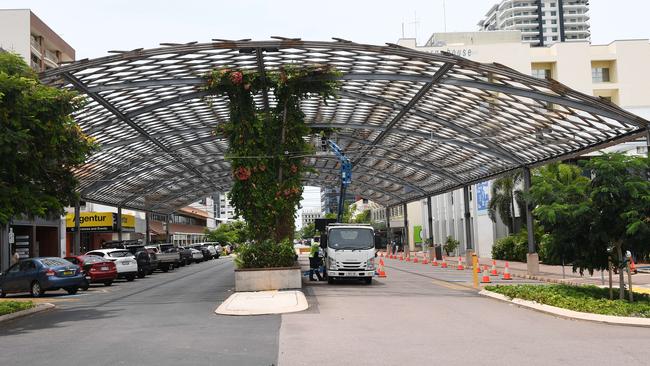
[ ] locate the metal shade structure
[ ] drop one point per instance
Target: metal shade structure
(414, 124)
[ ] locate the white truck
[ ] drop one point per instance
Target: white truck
(349, 252)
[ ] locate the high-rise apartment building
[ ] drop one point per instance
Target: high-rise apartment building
(224, 210)
(22, 32)
(541, 22)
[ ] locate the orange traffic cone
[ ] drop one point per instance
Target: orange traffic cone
(486, 276)
(444, 263)
(408, 259)
(460, 264)
(493, 271)
(425, 260)
(415, 260)
(380, 271)
(506, 273)
(401, 257)
(434, 262)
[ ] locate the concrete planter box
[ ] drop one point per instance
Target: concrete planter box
(264, 279)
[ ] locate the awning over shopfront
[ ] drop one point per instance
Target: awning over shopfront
(414, 124)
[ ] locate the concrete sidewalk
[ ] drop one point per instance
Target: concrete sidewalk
(554, 274)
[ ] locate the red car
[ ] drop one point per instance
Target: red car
(96, 269)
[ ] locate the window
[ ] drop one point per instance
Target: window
(554, 13)
(600, 75)
(554, 21)
(541, 73)
(555, 38)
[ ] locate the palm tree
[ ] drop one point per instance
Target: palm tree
(503, 197)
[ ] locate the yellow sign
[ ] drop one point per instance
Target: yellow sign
(91, 219)
(128, 221)
(99, 221)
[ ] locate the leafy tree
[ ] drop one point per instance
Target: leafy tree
(363, 217)
(229, 232)
(620, 199)
(307, 232)
(503, 197)
(40, 143)
(563, 209)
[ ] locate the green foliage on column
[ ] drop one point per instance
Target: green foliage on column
(267, 148)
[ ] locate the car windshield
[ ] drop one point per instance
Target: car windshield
(53, 262)
(120, 254)
(350, 238)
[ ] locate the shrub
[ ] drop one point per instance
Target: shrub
(512, 247)
(265, 254)
(8, 307)
(450, 245)
(587, 299)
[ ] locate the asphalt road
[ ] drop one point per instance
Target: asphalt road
(421, 315)
(164, 319)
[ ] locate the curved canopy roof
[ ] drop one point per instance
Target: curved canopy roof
(414, 124)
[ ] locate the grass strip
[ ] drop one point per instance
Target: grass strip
(8, 307)
(586, 299)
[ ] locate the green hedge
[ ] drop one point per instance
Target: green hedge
(512, 247)
(586, 299)
(8, 307)
(265, 254)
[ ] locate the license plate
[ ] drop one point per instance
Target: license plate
(68, 273)
(104, 268)
(126, 263)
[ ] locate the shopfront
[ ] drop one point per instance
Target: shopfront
(36, 237)
(96, 228)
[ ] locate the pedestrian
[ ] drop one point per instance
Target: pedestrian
(15, 257)
(315, 261)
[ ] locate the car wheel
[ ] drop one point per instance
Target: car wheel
(36, 289)
(85, 285)
(108, 283)
(150, 272)
(130, 278)
(72, 290)
(2, 293)
(141, 274)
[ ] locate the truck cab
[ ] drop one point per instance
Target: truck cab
(349, 252)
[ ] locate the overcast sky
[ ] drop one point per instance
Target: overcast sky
(94, 27)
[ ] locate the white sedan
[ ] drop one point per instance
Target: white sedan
(125, 262)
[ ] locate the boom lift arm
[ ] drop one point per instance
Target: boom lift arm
(346, 173)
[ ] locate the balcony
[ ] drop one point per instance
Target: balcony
(52, 57)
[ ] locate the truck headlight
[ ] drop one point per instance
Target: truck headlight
(331, 263)
(370, 264)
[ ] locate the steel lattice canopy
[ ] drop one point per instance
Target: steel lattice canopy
(414, 124)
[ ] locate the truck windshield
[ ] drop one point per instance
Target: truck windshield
(350, 238)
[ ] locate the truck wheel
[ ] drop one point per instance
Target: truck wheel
(141, 274)
(72, 290)
(164, 268)
(367, 280)
(108, 283)
(330, 280)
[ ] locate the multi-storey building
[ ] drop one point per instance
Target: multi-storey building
(329, 199)
(224, 211)
(22, 32)
(309, 217)
(541, 22)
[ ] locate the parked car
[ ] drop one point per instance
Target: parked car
(186, 255)
(125, 262)
(206, 253)
(95, 269)
(168, 257)
(197, 256)
(37, 275)
(213, 251)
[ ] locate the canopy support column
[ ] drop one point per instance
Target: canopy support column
(76, 246)
(469, 247)
(407, 246)
(147, 229)
(119, 223)
(167, 229)
(430, 220)
(532, 258)
(388, 233)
